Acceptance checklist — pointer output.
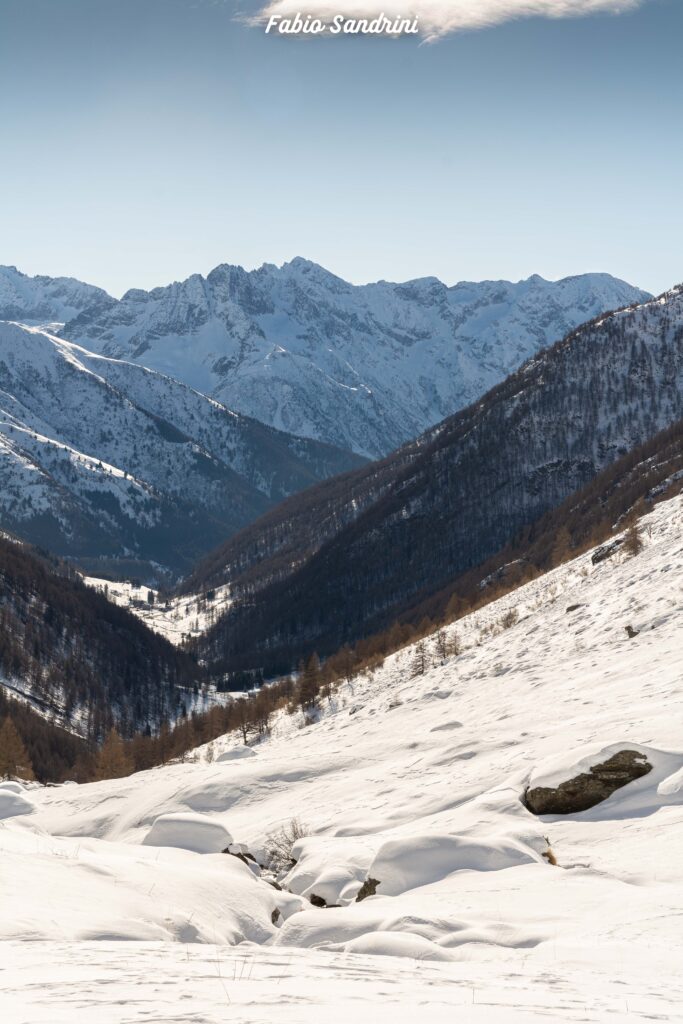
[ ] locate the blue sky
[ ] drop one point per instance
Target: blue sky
(144, 140)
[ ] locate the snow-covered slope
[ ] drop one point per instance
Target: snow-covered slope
(46, 300)
(177, 618)
(417, 781)
(365, 368)
(101, 459)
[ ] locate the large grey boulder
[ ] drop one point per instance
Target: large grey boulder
(591, 787)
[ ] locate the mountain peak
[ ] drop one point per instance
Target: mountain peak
(45, 299)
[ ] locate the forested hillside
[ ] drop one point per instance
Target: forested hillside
(78, 659)
(339, 562)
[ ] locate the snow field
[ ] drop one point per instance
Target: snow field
(177, 619)
(417, 782)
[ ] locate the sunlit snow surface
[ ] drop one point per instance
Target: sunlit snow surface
(418, 779)
(177, 619)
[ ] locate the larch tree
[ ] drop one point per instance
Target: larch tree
(113, 760)
(14, 760)
(633, 538)
(309, 683)
(420, 661)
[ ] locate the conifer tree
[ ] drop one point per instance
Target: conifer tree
(419, 665)
(309, 683)
(442, 644)
(633, 539)
(113, 760)
(14, 760)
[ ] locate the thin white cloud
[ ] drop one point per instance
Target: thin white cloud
(440, 17)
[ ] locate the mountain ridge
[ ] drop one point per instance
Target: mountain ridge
(365, 367)
(43, 299)
(106, 459)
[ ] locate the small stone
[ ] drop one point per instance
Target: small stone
(368, 888)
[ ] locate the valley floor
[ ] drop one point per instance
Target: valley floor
(158, 983)
(417, 782)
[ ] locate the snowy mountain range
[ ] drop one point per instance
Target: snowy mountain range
(124, 468)
(362, 367)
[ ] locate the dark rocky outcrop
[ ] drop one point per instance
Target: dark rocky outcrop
(368, 888)
(242, 855)
(589, 788)
(319, 901)
(606, 551)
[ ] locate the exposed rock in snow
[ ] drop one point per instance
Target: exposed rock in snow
(592, 783)
(606, 551)
(368, 888)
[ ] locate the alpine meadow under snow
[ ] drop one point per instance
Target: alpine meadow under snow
(408, 784)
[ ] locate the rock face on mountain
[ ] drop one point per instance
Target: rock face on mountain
(341, 560)
(366, 368)
(43, 300)
(130, 471)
